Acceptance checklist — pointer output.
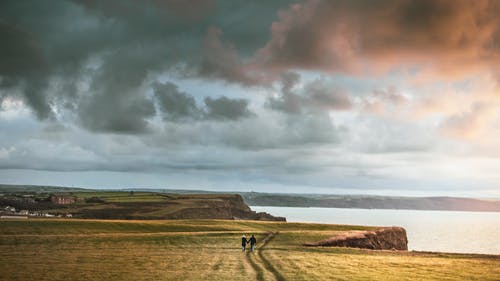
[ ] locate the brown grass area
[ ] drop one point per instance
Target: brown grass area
(210, 250)
(335, 265)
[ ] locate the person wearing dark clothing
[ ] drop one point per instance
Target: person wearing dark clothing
(243, 243)
(252, 241)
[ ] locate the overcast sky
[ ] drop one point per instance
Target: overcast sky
(380, 97)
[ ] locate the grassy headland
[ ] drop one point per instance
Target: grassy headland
(61, 249)
(130, 205)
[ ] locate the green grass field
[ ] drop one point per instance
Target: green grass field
(44, 249)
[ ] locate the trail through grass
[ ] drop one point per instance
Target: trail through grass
(268, 265)
(56, 249)
(255, 264)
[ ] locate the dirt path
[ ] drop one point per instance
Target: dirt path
(263, 265)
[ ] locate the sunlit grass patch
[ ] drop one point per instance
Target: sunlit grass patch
(57, 249)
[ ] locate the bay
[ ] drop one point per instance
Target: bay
(436, 231)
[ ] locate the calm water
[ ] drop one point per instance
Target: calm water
(439, 231)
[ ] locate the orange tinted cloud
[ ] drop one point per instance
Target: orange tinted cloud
(450, 37)
(470, 124)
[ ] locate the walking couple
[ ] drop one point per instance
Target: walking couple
(244, 243)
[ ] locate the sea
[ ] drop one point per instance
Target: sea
(435, 231)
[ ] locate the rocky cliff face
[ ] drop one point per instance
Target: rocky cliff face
(387, 238)
(173, 206)
(228, 207)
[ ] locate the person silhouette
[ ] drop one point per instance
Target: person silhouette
(243, 243)
(252, 241)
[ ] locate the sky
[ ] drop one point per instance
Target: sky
(385, 97)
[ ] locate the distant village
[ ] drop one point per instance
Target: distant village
(15, 206)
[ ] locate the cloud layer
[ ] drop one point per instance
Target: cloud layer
(449, 37)
(310, 94)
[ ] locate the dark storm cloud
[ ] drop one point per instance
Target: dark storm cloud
(121, 113)
(52, 51)
(20, 54)
(222, 61)
(116, 102)
(174, 103)
(187, 11)
(49, 49)
(315, 96)
(246, 23)
(22, 63)
(223, 108)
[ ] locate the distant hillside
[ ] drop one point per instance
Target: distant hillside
(305, 200)
(40, 188)
(372, 202)
(92, 204)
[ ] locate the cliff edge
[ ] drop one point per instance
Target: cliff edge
(224, 206)
(387, 238)
(132, 205)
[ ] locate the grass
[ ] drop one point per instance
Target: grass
(58, 249)
(136, 205)
(122, 196)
